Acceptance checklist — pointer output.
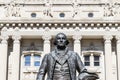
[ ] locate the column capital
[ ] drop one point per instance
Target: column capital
(77, 39)
(46, 37)
(108, 38)
(117, 38)
(4, 39)
(16, 38)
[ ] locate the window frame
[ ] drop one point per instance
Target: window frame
(92, 54)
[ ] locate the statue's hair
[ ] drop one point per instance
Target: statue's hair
(55, 41)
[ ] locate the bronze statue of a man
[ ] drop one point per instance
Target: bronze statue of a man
(62, 64)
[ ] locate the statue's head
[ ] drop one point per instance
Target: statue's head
(61, 40)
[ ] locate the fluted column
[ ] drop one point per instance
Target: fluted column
(118, 55)
(77, 44)
(3, 57)
(16, 58)
(46, 48)
(108, 57)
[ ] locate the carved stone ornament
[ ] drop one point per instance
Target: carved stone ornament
(111, 9)
(12, 9)
(32, 47)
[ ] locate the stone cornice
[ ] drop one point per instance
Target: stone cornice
(59, 23)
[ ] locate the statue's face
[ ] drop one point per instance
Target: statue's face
(61, 40)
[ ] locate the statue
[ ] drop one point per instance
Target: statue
(62, 64)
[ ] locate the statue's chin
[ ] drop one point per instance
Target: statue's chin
(61, 47)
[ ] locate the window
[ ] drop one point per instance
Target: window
(27, 60)
(33, 15)
(37, 60)
(91, 59)
(96, 60)
(62, 15)
(32, 60)
(90, 14)
(87, 60)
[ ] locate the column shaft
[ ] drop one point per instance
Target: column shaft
(118, 55)
(3, 57)
(16, 58)
(77, 44)
(46, 44)
(108, 57)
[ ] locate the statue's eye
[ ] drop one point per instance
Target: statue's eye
(58, 38)
(63, 38)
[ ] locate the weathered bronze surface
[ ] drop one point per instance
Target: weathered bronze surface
(62, 64)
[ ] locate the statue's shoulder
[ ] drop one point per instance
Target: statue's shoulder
(72, 52)
(51, 53)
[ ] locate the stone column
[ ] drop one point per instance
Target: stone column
(108, 57)
(16, 58)
(118, 55)
(47, 47)
(77, 44)
(3, 57)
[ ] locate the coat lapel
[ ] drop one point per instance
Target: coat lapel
(61, 60)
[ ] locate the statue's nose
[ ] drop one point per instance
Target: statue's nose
(61, 40)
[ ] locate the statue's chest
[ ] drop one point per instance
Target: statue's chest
(61, 69)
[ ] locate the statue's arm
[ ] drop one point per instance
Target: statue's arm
(83, 73)
(80, 68)
(79, 64)
(42, 69)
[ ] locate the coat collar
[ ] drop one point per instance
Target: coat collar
(61, 61)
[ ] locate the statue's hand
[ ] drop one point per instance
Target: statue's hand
(88, 76)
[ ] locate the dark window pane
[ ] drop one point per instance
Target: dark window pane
(37, 63)
(37, 60)
(87, 63)
(33, 15)
(27, 63)
(27, 60)
(87, 58)
(90, 14)
(37, 57)
(96, 64)
(62, 15)
(96, 58)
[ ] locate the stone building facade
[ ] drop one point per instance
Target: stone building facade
(28, 27)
